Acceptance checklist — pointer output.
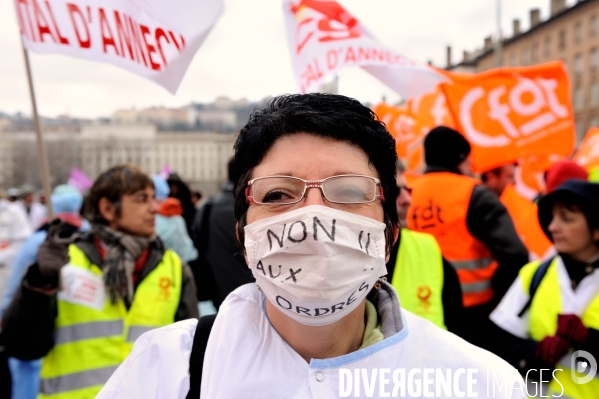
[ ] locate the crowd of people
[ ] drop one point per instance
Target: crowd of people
(374, 269)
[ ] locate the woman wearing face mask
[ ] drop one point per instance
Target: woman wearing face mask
(552, 309)
(315, 209)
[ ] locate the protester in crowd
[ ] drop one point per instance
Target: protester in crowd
(522, 210)
(426, 283)
(498, 178)
(473, 229)
(36, 212)
(116, 282)
(220, 268)
(161, 189)
(562, 171)
(316, 195)
(13, 194)
(180, 191)
(66, 202)
(196, 198)
(551, 308)
(558, 173)
(170, 226)
(14, 230)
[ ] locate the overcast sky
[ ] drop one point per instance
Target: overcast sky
(246, 55)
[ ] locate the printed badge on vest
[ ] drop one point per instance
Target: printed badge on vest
(82, 287)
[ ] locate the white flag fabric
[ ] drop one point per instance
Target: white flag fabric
(155, 39)
(324, 37)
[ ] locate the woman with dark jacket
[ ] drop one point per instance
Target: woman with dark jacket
(549, 319)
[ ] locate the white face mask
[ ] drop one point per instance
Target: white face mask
(316, 264)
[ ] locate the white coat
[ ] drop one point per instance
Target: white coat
(246, 358)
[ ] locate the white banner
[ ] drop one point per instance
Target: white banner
(156, 39)
(324, 37)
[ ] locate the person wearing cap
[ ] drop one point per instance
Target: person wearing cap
(549, 315)
(315, 207)
(426, 283)
(36, 212)
(562, 171)
(473, 229)
(13, 194)
(66, 203)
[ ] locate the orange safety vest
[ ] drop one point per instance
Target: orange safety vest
(439, 206)
(524, 214)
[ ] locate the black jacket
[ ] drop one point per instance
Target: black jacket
(220, 267)
(489, 222)
(28, 324)
(453, 308)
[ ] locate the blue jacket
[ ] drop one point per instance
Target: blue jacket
(172, 230)
(24, 259)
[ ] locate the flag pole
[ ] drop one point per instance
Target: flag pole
(499, 45)
(41, 147)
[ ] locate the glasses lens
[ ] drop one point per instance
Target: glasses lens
(350, 189)
(277, 190)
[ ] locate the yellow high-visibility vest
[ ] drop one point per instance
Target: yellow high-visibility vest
(546, 305)
(91, 342)
(418, 276)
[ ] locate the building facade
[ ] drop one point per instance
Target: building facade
(200, 159)
(570, 34)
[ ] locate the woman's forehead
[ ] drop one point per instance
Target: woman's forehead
(313, 157)
(566, 206)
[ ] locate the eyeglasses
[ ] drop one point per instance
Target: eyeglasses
(286, 190)
(408, 189)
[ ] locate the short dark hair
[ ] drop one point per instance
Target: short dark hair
(113, 184)
(326, 115)
(231, 169)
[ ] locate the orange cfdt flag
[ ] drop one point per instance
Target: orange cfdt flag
(510, 113)
(524, 215)
(401, 124)
(587, 155)
(429, 110)
(530, 173)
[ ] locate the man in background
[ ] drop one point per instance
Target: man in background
(473, 229)
(497, 179)
(220, 267)
(36, 212)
